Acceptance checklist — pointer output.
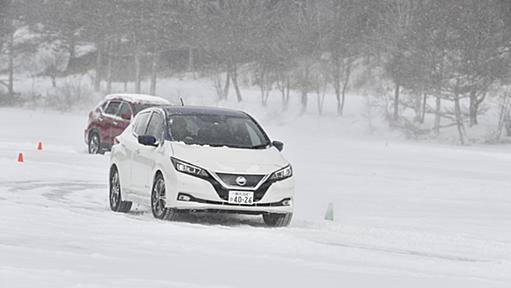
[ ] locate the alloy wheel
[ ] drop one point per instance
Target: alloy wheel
(115, 191)
(94, 144)
(158, 198)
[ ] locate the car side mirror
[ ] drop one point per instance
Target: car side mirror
(147, 140)
(279, 145)
(126, 116)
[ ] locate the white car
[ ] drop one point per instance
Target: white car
(196, 159)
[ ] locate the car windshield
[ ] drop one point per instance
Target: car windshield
(217, 130)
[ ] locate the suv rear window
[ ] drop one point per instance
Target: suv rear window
(102, 106)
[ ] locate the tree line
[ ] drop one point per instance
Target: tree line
(435, 56)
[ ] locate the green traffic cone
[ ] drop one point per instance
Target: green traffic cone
(329, 216)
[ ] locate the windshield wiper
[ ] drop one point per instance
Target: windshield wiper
(260, 146)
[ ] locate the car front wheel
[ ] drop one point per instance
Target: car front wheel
(159, 200)
(116, 203)
(277, 220)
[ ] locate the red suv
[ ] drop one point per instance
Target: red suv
(112, 116)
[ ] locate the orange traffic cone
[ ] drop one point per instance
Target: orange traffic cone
(40, 146)
(20, 157)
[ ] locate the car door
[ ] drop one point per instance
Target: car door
(140, 127)
(145, 156)
(121, 121)
(109, 117)
(123, 157)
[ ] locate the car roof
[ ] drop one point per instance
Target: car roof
(202, 110)
(138, 98)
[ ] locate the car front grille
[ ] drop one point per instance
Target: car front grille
(230, 179)
(223, 192)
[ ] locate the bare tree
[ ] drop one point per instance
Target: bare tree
(346, 31)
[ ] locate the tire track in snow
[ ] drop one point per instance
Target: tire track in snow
(407, 252)
(62, 192)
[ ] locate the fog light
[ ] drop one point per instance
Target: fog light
(184, 197)
(287, 202)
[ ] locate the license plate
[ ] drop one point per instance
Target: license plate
(241, 197)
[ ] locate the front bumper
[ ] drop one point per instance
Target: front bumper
(208, 196)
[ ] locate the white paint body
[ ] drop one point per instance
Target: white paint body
(139, 164)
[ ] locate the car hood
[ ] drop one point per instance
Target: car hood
(230, 160)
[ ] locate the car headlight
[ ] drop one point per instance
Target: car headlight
(188, 168)
(282, 174)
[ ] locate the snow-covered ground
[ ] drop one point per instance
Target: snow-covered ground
(406, 215)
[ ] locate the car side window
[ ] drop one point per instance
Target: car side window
(124, 111)
(155, 126)
(112, 107)
(141, 123)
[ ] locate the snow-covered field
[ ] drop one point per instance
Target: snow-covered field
(406, 215)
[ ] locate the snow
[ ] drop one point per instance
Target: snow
(138, 98)
(406, 215)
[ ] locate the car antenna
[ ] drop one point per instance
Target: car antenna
(182, 103)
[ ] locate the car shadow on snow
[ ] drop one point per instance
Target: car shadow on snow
(142, 211)
(205, 218)
(222, 219)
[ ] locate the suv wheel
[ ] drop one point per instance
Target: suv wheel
(159, 200)
(94, 144)
(116, 203)
(277, 220)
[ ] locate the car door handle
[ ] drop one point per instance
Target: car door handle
(115, 123)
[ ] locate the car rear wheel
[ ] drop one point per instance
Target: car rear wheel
(277, 220)
(116, 203)
(94, 144)
(159, 200)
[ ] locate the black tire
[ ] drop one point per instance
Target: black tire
(277, 220)
(158, 200)
(94, 144)
(115, 196)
